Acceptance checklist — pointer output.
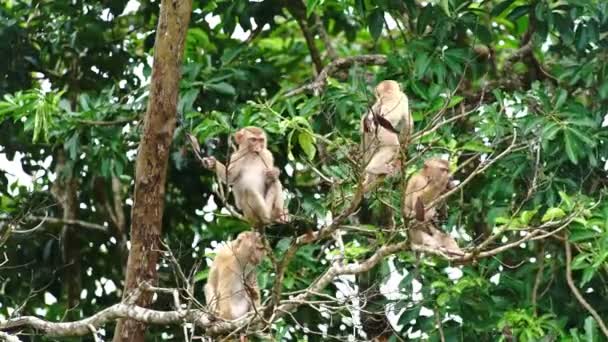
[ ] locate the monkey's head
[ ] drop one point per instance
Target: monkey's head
(438, 171)
(251, 138)
(250, 247)
(387, 88)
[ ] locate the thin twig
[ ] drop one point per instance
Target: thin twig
(575, 291)
(321, 80)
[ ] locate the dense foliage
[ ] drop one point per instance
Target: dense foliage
(523, 84)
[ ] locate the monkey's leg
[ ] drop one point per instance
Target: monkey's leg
(380, 164)
(274, 201)
(224, 304)
(255, 208)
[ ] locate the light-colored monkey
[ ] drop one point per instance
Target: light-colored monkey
(382, 128)
(422, 189)
(232, 290)
(253, 177)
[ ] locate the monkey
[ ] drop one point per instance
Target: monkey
(254, 178)
(232, 290)
(380, 136)
(423, 188)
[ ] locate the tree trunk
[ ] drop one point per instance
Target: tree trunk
(152, 158)
(65, 192)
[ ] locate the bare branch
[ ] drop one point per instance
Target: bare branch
(337, 269)
(55, 220)
(106, 123)
(114, 312)
(575, 291)
(341, 63)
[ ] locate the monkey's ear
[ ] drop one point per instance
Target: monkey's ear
(238, 136)
(419, 210)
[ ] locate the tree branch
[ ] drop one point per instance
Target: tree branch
(55, 220)
(341, 63)
(214, 326)
(575, 291)
(106, 123)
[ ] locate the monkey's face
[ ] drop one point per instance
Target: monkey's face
(387, 87)
(251, 247)
(256, 143)
(251, 139)
(258, 252)
(439, 172)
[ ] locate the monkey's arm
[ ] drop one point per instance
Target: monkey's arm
(253, 289)
(413, 200)
(210, 288)
(220, 171)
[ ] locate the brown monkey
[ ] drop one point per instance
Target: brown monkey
(423, 188)
(232, 290)
(379, 129)
(253, 177)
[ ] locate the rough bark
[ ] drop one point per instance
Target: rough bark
(152, 158)
(65, 192)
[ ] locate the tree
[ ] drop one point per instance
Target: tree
(152, 157)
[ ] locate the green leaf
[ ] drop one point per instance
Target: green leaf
(561, 98)
(550, 130)
(476, 146)
(375, 22)
(445, 6)
(187, 99)
(570, 148)
(517, 12)
(603, 90)
(455, 100)
(591, 333)
(588, 274)
(553, 214)
(421, 64)
(527, 215)
(580, 261)
(310, 6)
(567, 200)
(410, 314)
(307, 143)
(583, 137)
(501, 7)
(202, 275)
(582, 234)
(222, 88)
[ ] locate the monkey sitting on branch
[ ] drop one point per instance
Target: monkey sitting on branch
(422, 189)
(258, 192)
(232, 290)
(383, 127)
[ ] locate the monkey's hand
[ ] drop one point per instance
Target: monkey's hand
(368, 123)
(209, 162)
(272, 175)
(282, 217)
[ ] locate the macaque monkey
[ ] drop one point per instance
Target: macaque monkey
(422, 189)
(253, 177)
(380, 132)
(232, 290)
